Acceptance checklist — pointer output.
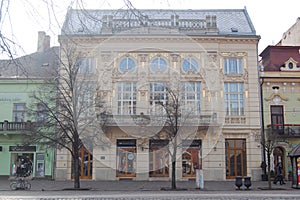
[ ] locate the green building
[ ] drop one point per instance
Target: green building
(280, 87)
(18, 80)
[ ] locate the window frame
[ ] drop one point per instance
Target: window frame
(237, 97)
(191, 67)
(86, 65)
(154, 93)
(17, 112)
(41, 114)
(236, 68)
(128, 61)
(129, 96)
(193, 96)
(160, 66)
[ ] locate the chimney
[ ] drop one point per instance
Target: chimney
(43, 41)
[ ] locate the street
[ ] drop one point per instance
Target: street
(151, 195)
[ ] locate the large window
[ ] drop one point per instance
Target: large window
(191, 157)
(19, 112)
(86, 65)
(86, 98)
(234, 99)
(127, 64)
(158, 158)
(233, 66)
(126, 98)
(190, 64)
(277, 119)
(126, 158)
(158, 96)
(190, 97)
(159, 64)
(41, 115)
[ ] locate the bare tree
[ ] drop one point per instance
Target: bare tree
(65, 106)
(180, 124)
(269, 146)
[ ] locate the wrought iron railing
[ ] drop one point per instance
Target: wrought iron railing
(284, 130)
(15, 126)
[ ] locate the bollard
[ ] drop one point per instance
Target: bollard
(247, 182)
(238, 182)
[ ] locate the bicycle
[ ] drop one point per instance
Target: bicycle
(20, 184)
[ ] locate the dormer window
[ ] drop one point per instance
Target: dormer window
(290, 65)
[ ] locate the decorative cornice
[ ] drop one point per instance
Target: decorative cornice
(274, 95)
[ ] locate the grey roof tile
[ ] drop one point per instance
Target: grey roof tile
(89, 22)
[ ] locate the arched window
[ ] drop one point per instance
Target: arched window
(190, 64)
(159, 65)
(127, 64)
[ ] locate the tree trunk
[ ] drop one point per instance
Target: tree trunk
(174, 164)
(174, 173)
(269, 169)
(76, 169)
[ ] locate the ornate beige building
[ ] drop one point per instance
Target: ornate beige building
(208, 58)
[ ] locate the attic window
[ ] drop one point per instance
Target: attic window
(290, 65)
(233, 29)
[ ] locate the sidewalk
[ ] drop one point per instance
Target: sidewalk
(128, 185)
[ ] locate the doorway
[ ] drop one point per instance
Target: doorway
(278, 154)
(86, 163)
(126, 158)
(235, 151)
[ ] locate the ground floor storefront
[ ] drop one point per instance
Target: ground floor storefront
(27, 158)
(122, 157)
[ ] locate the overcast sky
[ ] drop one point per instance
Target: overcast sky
(26, 17)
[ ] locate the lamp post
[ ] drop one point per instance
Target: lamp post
(263, 164)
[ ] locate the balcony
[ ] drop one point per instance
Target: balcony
(156, 120)
(15, 126)
(284, 130)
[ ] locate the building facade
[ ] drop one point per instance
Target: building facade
(291, 36)
(279, 77)
(136, 57)
(18, 80)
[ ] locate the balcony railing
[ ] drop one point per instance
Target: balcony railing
(156, 120)
(15, 126)
(283, 130)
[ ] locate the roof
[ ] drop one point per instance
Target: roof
(35, 65)
(274, 58)
(295, 151)
(190, 22)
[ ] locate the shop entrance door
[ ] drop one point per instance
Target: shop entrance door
(86, 163)
(235, 158)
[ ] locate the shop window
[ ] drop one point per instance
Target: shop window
(158, 158)
(191, 157)
(126, 158)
